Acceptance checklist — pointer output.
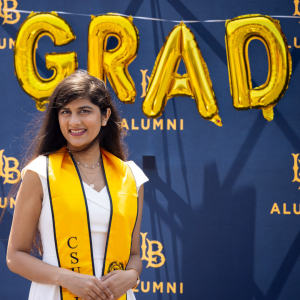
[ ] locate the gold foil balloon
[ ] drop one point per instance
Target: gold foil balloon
(165, 83)
(239, 33)
(34, 27)
(113, 64)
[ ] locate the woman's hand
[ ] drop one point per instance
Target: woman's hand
(119, 282)
(86, 287)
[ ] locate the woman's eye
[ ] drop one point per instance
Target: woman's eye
(64, 112)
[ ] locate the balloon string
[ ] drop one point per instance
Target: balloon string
(146, 18)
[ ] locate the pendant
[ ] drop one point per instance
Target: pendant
(92, 186)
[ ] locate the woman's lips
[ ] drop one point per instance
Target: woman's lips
(77, 132)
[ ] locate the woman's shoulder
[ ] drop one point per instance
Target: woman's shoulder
(137, 172)
(38, 165)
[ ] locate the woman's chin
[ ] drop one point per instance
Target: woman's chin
(79, 145)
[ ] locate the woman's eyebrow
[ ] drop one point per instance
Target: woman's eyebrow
(86, 106)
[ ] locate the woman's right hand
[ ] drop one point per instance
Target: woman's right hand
(86, 287)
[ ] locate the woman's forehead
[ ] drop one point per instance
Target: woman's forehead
(77, 103)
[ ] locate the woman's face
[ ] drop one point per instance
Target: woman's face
(80, 122)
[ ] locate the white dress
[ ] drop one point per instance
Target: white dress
(99, 212)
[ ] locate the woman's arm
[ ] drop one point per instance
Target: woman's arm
(119, 282)
(24, 226)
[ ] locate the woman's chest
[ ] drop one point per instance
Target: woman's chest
(98, 205)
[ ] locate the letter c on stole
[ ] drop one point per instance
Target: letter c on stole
(73, 237)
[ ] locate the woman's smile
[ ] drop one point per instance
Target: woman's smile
(77, 132)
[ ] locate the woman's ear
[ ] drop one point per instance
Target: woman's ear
(106, 116)
(108, 113)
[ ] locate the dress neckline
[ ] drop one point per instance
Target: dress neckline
(94, 189)
(100, 198)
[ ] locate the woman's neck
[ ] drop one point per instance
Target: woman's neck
(88, 157)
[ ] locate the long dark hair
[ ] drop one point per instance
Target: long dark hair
(79, 85)
(49, 137)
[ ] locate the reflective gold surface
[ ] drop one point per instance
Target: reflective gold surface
(166, 83)
(34, 27)
(114, 63)
(239, 33)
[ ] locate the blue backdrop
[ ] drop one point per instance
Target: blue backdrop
(209, 199)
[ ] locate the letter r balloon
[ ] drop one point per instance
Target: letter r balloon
(63, 64)
(113, 63)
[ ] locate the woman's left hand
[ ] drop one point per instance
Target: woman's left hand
(119, 281)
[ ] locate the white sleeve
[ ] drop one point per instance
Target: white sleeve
(138, 174)
(38, 165)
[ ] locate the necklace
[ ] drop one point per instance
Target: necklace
(86, 166)
(86, 171)
(91, 184)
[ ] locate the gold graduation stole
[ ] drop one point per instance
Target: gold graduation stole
(70, 215)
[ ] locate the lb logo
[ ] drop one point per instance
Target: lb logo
(154, 257)
(296, 168)
(8, 16)
(144, 82)
(9, 169)
(296, 13)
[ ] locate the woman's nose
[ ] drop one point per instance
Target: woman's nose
(74, 120)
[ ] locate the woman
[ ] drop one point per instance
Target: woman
(83, 198)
